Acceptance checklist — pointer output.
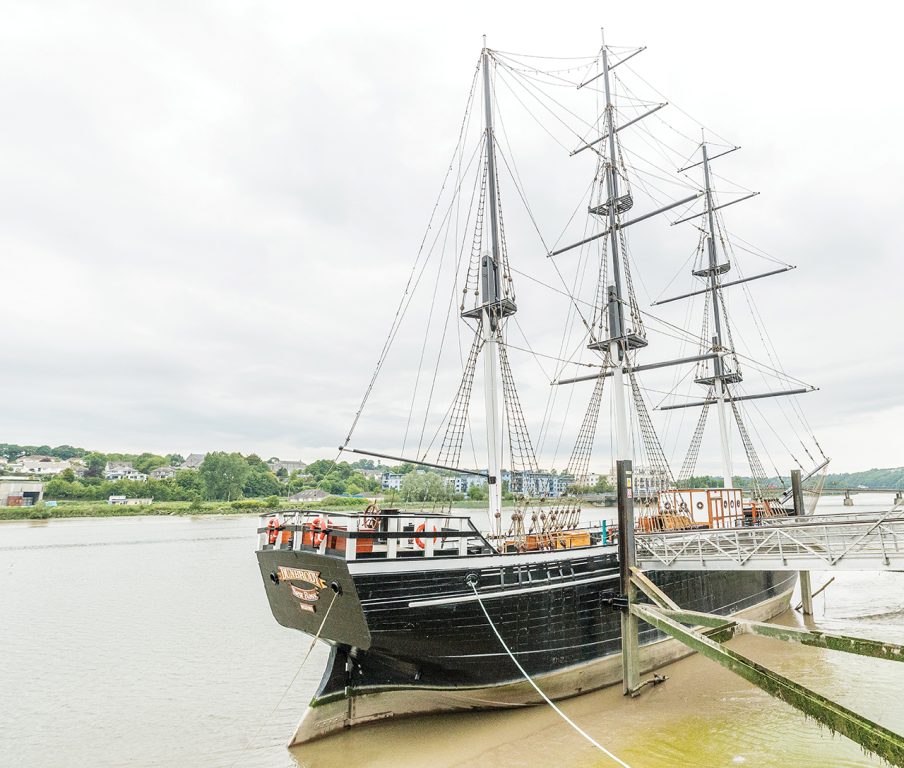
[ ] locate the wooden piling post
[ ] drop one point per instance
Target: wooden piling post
(626, 561)
(806, 587)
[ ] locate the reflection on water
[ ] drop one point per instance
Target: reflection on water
(148, 642)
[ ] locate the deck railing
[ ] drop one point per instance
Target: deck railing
(392, 534)
(366, 536)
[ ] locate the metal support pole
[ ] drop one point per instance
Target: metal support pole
(626, 555)
(806, 588)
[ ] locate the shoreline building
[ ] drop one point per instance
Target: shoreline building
(122, 470)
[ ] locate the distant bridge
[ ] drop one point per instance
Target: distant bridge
(849, 493)
(836, 491)
(607, 497)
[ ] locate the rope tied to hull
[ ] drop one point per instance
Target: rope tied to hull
(250, 744)
(545, 698)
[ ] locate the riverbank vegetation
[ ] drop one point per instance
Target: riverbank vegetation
(74, 509)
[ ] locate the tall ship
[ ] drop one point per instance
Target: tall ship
(422, 606)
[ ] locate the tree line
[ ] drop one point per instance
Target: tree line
(221, 476)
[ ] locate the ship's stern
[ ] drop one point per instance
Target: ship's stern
(314, 593)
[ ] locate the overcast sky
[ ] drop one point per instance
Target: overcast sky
(207, 210)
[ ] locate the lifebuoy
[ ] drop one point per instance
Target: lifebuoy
(272, 529)
(318, 530)
(421, 529)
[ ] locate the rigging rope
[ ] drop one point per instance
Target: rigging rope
(693, 451)
(756, 468)
(579, 464)
(661, 474)
(450, 449)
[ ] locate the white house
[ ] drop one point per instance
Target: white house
(311, 494)
(645, 481)
(41, 465)
(193, 461)
(373, 474)
(124, 501)
(391, 481)
(541, 484)
(464, 483)
(121, 470)
(163, 473)
(289, 466)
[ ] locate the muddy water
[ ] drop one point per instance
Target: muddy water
(148, 642)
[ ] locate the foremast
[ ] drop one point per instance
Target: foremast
(493, 310)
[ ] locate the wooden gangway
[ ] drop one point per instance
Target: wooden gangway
(854, 542)
(850, 541)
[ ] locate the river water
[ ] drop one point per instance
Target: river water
(148, 642)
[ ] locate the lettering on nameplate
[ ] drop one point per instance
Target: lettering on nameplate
(301, 574)
(311, 595)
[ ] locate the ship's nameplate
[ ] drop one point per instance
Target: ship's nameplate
(308, 607)
(311, 595)
(301, 574)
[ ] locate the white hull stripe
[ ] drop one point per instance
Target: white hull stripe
(509, 592)
(471, 562)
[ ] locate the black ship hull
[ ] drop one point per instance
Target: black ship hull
(409, 636)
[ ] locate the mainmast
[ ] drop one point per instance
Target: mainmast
(719, 377)
(618, 342)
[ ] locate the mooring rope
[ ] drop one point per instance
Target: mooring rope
(545, 698)
(250, 744)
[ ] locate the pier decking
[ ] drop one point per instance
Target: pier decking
(865, 541)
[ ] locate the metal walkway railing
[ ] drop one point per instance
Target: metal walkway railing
(872, 542)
